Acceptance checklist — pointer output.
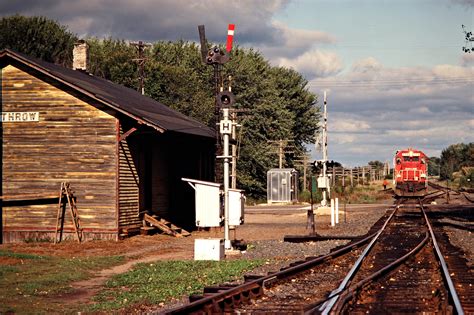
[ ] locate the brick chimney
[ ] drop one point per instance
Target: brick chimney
(80, 56)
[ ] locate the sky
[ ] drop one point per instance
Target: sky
(394, 70)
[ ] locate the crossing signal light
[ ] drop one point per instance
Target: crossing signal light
(317, 166)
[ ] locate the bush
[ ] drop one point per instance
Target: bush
(305, 196)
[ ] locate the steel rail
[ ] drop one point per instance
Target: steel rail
(349, 292)
(334, 295)
(259, 283)
(444, 267)
(344, 295)
(439, 187)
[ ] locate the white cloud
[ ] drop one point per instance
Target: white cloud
(420, 110)
(369, 64)
(153, 20)
(467, 3)
(450, 72)
(348, 125)
(314, 63)
(375, 110)
(467, 60)
(343, 138)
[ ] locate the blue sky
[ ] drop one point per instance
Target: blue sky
(394, 69)
(401, 33)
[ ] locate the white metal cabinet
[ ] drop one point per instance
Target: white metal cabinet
(236, 206)
(208, 207)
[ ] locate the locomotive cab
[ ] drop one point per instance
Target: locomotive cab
(410, 173)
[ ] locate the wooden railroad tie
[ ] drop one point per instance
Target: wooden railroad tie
(163, 225)
(66, 195)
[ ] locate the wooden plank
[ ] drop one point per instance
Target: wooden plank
(27, 197)
(165, 226)
(160, 225)
(72, 141)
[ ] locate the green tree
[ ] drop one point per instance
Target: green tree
(176, 77)
(112, 59)
(434, 166)
(276, 102)
(454, 157)
(37, 37)
(376, 164)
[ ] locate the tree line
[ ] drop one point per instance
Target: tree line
(276, 100)
(456, 163)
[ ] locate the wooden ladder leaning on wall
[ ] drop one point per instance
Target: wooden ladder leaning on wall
(66, 193)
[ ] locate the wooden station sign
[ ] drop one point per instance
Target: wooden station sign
(19, 116)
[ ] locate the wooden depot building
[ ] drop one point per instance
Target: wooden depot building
(122, 153)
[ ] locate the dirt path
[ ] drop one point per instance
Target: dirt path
(83, 291)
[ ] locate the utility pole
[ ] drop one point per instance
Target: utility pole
(140, 46)
(280, 155)
(281, 150)
(304, 164)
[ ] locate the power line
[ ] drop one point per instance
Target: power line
(389, 83)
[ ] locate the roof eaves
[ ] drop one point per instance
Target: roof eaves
(83, 91)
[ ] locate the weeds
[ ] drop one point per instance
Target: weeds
(24, 286)
(162, 281)
(10, 254)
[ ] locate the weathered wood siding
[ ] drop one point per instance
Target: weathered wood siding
(144, 171)
(73, 141)
(129, 183)
(151, 167)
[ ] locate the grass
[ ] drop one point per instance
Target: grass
(163, 281)
(10, 254)
(366, 194)
(32, 278)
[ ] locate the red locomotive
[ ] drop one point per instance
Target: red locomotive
(410, 173)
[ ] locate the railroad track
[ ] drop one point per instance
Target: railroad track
(397, 268)
(442, 190)
(412, 277)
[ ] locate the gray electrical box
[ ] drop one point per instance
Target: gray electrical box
(282, 185)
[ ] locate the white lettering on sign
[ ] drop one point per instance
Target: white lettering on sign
(19, 116)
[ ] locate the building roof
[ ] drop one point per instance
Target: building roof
(125, 100)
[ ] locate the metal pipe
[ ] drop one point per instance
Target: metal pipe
(227, 243)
